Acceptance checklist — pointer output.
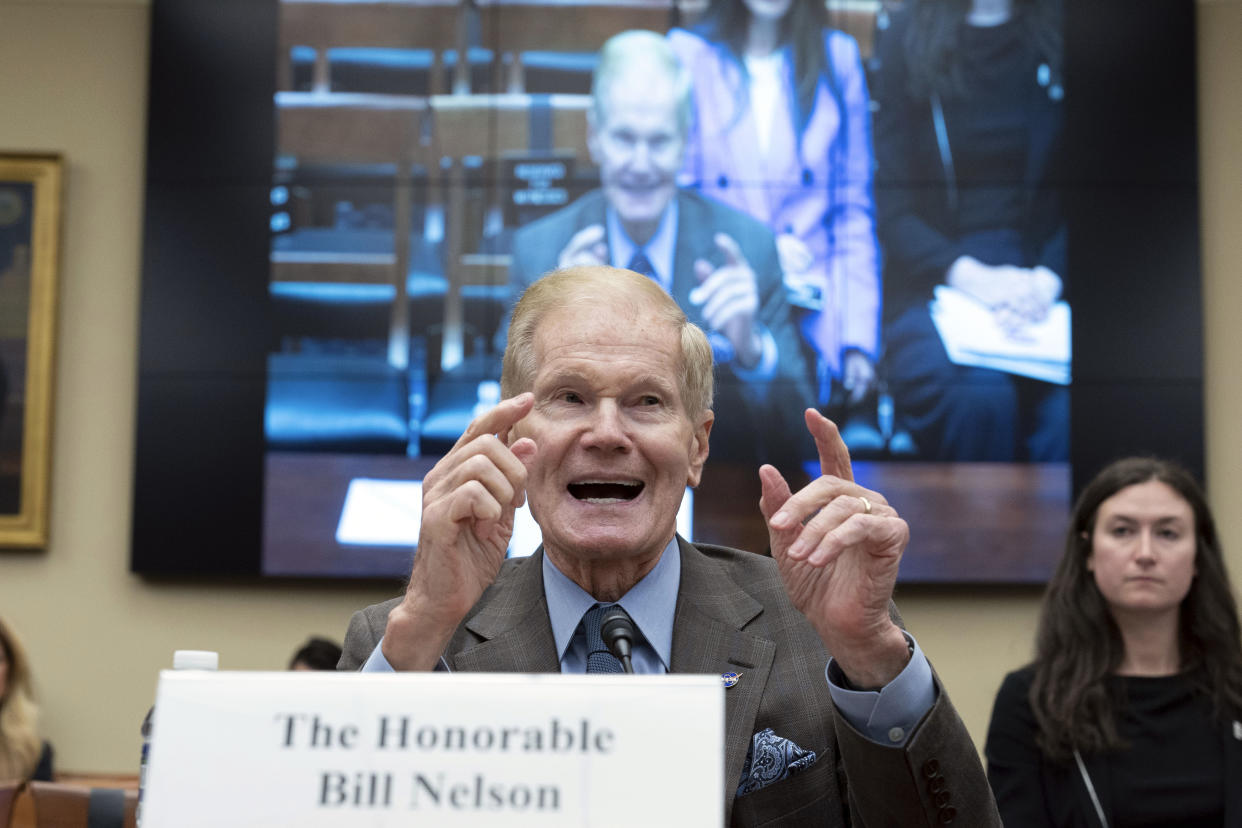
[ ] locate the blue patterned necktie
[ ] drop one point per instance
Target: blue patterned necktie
(641, 264)
(599, 659)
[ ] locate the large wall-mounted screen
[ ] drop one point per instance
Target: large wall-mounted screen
(970, 239)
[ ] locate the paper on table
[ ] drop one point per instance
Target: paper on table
(389, 513)
(971, 337)
(381, 512)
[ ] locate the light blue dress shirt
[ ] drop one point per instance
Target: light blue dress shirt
(651, 604)
(886, 716)
(659, 248)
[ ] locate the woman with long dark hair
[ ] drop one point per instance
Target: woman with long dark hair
(781, 130)
(23, 754)
(1131, 713)
(968, 142)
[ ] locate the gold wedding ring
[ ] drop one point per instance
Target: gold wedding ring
(866, 505)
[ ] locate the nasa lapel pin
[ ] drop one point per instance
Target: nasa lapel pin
(730, 679)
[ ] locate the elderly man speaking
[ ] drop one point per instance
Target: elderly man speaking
(837, 720)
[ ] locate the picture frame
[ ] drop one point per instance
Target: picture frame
(30, 219)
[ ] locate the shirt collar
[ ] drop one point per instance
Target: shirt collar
(651, 603)
(659, 249)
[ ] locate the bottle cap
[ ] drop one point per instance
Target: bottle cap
(196, 660)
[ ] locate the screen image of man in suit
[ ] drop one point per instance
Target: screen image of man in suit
(719, 264)
(833, 717)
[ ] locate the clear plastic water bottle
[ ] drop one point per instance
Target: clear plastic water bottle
(182, 660)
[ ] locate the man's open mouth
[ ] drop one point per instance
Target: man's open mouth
(605, 491)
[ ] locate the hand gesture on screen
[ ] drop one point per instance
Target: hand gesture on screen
(589, 246)
(1018, 296)
(838, 547)
(795, 257)
(857, 375)
(1044, 288)
(469, 498)
(729, 296)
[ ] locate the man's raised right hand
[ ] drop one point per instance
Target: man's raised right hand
(469, 498)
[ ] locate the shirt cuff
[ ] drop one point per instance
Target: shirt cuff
(765, 369)
(889, 715)
(376, 663)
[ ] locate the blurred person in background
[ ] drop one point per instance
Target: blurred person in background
(23, 754)
(316, 654)
(968, 149)
(781, 130)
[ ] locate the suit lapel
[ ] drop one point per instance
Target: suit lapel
(708, 637)
(592, 208)
(694, 225)
(513, 624)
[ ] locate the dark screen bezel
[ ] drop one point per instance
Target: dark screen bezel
(1131, 201)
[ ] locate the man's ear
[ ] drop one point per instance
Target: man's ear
(698, 448)
(511, 434)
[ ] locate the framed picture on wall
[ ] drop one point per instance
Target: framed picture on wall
(30, 208)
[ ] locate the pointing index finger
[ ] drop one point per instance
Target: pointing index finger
(589, 235)
(834, 456)
(500, 419)
(730, 248)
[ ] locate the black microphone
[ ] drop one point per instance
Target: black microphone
(617, 630)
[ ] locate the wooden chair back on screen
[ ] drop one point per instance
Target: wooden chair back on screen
(315, 128)
(490, 128)
(511, 28)
(323, 25)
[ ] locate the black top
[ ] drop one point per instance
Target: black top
(997, 199)
(1171, 773)
(987, 132)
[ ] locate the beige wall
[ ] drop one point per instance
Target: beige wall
(72, 79)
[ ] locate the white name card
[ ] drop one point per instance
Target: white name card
(336, 749)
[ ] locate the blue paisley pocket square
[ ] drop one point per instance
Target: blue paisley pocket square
(770, 759)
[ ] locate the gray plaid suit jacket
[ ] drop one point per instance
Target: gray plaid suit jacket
(733, 615)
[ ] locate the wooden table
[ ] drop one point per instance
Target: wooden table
(969, 522)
